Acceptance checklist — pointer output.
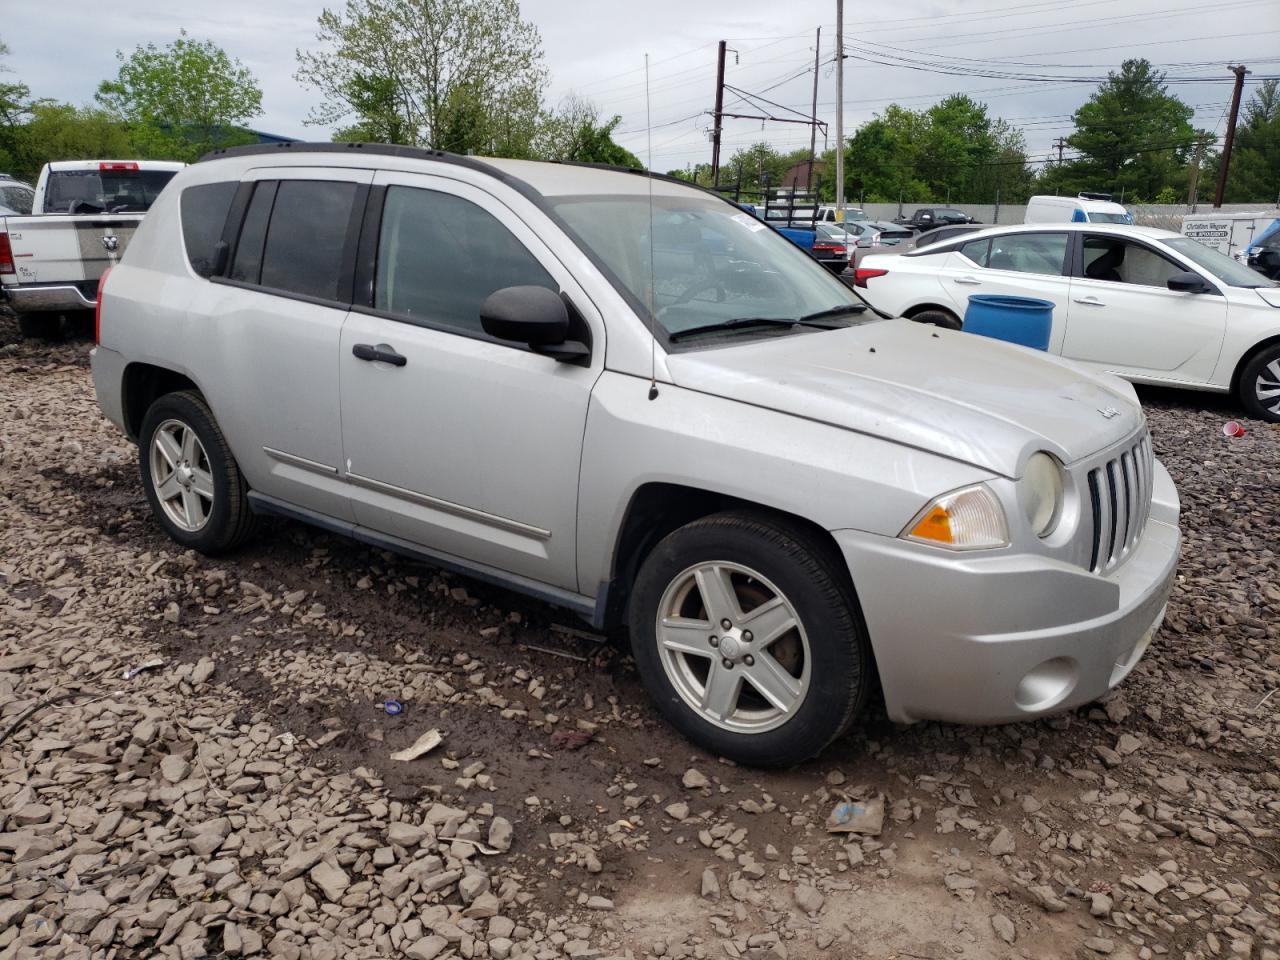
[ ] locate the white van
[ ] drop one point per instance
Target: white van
(1086, 208)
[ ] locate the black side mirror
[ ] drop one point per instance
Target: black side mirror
(1188, 282)
(532, 315)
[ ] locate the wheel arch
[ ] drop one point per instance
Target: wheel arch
(658, 508)
(142, 384)
(912, 312)
(1247, 357)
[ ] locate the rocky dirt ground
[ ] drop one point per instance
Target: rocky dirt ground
(239, 798)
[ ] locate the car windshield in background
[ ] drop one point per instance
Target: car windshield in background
(1223, 267)
(952, 214)
(1110, 218)
(104, 191)
(16, 198)
(713, 266)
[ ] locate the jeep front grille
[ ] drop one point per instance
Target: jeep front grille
(1120, 494)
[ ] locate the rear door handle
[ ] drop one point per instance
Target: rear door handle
(1089, 301)
(382, 353)
(969, 281)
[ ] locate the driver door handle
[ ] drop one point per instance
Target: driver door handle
(382, 353)
(1089, 301)
(969, 281)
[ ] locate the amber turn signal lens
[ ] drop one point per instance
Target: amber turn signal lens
(934, 525)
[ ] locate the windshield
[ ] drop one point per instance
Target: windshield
(712, 263)
(952, 214)
(1223, 267)
(16, 198)
(104, 191)
(1096, 217)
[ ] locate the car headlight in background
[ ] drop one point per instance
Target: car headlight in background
(970, 518)
(1041, 493)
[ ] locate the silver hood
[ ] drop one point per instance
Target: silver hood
(970, 398)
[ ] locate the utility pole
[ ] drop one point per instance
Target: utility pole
(1060, 143)
(839, 111)
(1240, 72)
(813, 115)
(716, 119)
(1195, 175)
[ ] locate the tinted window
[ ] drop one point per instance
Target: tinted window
(977, 251)
(204, 211)
(308, 233)
(103, 191)
(439, 258)
(247, 265)
(1107, 258)
(1044, 253)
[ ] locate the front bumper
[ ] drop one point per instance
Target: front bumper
(51, 298)
(1002, 637)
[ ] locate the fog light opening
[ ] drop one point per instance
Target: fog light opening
(1047, 685)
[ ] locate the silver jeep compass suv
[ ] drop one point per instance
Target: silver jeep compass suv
(624, 395)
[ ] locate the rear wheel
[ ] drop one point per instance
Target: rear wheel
(746, 635)
(938, 318)
(192, 481)
(40, 326)
(1259, 386)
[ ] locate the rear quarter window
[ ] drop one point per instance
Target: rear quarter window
(204, 212)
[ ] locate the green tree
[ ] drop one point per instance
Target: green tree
(575, 132)
(1133, 137)
(468, 73)
(755, 167)
(60, 131)
(15, 109)
(183, 99)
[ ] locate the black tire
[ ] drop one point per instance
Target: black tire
(230, 521)
(811, 576)
(938, 318)
(40, 326)
(1262, 372)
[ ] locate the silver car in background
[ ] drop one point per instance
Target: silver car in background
(627, 396)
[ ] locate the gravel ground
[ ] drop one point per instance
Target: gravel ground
(239, 798)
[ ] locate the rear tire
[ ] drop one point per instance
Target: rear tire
(194, 486)
(793, 668)
(1259, 387)
(939, 318)
(40, 326)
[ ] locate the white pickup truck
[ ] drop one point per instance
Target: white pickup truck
(83, 215)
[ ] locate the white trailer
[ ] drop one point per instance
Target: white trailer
(1228, 233)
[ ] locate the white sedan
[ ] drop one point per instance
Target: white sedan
(1146, 304)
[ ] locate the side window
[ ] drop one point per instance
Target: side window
(1115, 260)
(976, 251)
(247, 265)
(440, 256)
(204, 211)
(1044, 253)
(310, 223)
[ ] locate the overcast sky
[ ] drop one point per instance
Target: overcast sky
(597, 50)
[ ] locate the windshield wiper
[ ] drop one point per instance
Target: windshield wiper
(741, 323)
(839, 311)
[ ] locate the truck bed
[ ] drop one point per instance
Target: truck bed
(59, 258)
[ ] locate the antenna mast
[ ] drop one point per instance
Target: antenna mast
(653, 313)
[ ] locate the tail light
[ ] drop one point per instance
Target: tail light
(6, 255)
(97, 310)
(117, 165)
(834, 248)
(862, 274)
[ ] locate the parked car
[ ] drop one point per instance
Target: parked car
(1086, 208)
(938, 234)
(833, 246)
(1263, 255)
(15, 196)
(83, 215)
(928, 218)
(478, 363)
(1145, 304)
(870, 233)
(827, 214)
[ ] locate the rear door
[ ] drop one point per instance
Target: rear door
(1125, 319)
(1021, 264)
(467, 445)
(278, 314)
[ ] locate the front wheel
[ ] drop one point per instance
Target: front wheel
(746, 635)
(192, 481)
(1260, 384)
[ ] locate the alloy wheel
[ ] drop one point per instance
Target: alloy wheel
(181, 475)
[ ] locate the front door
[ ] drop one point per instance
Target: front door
(1124, 318)
(462, 443)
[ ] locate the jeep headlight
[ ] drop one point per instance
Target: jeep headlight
(1041, 493)
(970, 518)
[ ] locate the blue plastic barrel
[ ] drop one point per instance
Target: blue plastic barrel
(1022, 320)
